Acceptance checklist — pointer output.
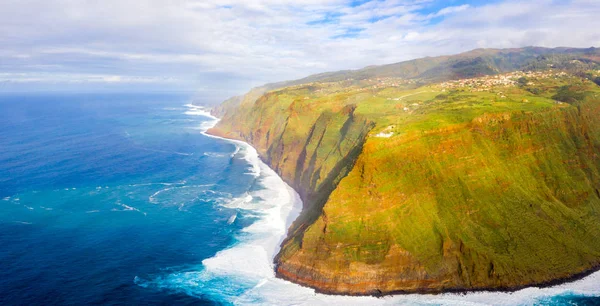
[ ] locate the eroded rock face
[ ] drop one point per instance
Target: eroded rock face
(500, 200)
(474, 208)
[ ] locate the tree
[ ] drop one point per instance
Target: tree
(569, 94)
(534, 90)
(522, 81)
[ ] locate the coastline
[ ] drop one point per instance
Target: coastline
(507, 290)
(393, 295)
(296, 202)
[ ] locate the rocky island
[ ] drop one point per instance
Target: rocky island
(478, 171)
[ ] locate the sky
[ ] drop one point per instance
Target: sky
(222, 48)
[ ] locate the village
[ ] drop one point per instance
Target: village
(377, 83)
(487, 83)
(479, 84)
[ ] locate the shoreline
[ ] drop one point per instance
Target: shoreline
(399, 293)
(297, 204)
(508, 290)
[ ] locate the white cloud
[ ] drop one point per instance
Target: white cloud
(58, 78)
(451, 10)
(230, 45)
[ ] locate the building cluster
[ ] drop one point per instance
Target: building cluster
(487, 83)
(386, 133)
(377, 83)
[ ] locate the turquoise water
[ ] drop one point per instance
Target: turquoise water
(120, 199)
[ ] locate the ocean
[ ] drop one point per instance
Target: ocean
(122, 199)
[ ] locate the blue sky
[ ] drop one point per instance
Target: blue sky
(220, 48)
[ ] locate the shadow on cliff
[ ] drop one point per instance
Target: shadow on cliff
(331, 149)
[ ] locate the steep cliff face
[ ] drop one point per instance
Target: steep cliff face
(424, 189)
(311, 150)
(502, 202)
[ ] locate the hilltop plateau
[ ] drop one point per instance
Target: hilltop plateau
(467, 172)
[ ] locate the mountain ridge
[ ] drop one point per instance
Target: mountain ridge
(359, 74)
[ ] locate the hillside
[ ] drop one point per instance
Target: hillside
(475, 63)
(474, 171)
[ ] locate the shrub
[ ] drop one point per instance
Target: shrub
(522, 81)
(441, 97)
(568, 94)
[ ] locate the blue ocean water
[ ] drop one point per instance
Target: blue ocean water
(120, 199)
(96, 190)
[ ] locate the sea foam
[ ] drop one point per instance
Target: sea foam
(244, 273)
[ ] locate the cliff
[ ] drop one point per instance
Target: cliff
(412, 186)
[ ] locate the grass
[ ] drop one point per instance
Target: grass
(474, 189)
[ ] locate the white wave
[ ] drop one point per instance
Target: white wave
(280, 292)
(6, 199)
(205, 126)
(185, 196)
(127, 208)
(237, 150)
(23, 222)
(150, 184)
(248, 153)
(197, 112)
(232, 218)
(251, 156)
(153, 198)
(194, 110)
(29, 207)
(243, 202)
(92, 211)
(217, 155)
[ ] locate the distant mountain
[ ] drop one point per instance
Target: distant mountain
(470, 64)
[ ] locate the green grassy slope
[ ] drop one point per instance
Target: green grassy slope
(445, 186)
